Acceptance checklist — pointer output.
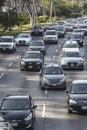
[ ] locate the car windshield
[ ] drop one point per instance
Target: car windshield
(5, 40)
(36, 43)
(37, 27)
(70, 46)
(77, 36)
(50, 33)
(23, 36)
(77, 30)
(59, 29)
(53, 70)
(82, 26)
(71, 54)
(32, 55)
(15, 104)
(79, 89)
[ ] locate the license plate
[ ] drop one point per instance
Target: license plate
(30, 67)
(54, 84)
(14, 124)
(84, 107)
(72, 65)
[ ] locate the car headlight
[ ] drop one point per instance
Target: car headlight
(80, 62)
(45, 80)
(63, 62)
(22, 62)
(71, 102)
(62, 80)
(29, 117)
(39, 62)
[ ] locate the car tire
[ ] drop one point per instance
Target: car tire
(69, 111)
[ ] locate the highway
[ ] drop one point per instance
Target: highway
(51, 112)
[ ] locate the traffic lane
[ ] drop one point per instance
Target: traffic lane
(7, 59)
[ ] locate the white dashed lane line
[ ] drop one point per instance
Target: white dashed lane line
(2, 75)
(10, 64)
(44, 109)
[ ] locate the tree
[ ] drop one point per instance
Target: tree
(2, 3)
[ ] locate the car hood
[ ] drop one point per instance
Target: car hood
(22, 39)
(31, 60)
(70, 59)
(55, 77)
(36, 47)
(14, 114)
(60, 31)
(50, 36)
(78, 96)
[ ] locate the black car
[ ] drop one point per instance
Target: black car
(78, 37)
(19, 110)
(60, 31)
(77, 96)
(37, 30)
(32, 60)
(52, 77)
(37, 45)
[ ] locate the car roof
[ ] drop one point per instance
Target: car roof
(30, 51)
(17, 97)
(72, 50)
(7, 36)
(79, 81)
(52, 65)
(71, 41)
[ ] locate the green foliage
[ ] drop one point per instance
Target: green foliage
(23, 19)
(42, 19)
(9, 19)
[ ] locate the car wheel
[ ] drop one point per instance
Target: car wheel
(69, 111)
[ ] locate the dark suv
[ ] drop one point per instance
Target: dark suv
(77, 96)
(18, 110)
(52, 77)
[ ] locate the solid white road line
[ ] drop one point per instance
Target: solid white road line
(46, 92)
(44, 108)
(54, 57)
(2, 75)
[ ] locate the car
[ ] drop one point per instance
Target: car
(50, 36)
(32, 60)
(78, 37)
(19, 110)
(37, 30)
(71, 59)
(52, 77)
(37, 45)
(48, 26)
(5, 125)
(68, 27)
(7, 44)
(70, 45)
(83, 27)
(60, 31)
(23, 39)
(77, 96)
(78, 30)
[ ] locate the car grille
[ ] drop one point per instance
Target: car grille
(54, 81)
(22, 42)
(84, 102)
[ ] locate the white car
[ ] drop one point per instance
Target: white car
(7, 43)
(50, 36)
(23, 39)
(71, 59)
(70, 45)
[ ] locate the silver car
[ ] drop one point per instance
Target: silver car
(71, 59)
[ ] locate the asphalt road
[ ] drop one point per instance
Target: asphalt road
(51, 112)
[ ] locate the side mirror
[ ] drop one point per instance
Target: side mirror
(34, 107)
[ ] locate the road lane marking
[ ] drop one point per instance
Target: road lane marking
(18, 57)
(10, 64)
(54, 57)
(56, 50)
(44, 108)
(24, 50)
(2, 75)
(46, 92)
